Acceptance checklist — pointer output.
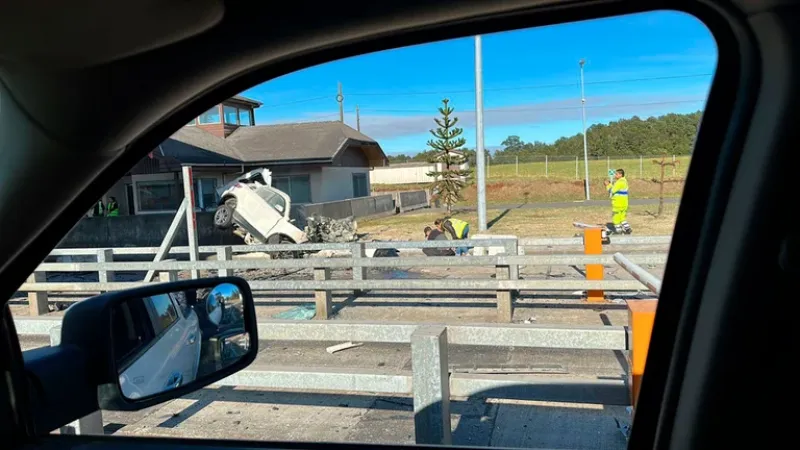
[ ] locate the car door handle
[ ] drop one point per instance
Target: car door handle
(192, 339)
(174, 380)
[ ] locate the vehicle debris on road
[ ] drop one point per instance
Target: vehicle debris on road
(344, 346)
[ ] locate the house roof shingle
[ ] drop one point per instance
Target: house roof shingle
(295, 141)
(313, 141)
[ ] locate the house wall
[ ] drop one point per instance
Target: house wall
(314, 173)
(338, 183)
(401, 174)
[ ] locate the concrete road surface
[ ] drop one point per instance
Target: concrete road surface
(262, 414)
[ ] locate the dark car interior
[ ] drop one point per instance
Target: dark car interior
(90, 87)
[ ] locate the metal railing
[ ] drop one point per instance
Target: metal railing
(505, 284)
(430, 383)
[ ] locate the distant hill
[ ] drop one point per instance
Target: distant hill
(671, 134)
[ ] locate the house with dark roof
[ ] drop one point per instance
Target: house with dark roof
(312, 162)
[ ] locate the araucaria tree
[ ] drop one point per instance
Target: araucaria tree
(449, 177)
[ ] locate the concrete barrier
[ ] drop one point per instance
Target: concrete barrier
(356, 207)
(146, 230)
(411, 200)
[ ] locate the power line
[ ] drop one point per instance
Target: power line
(513, 109)
(539, 86)
(306, 100)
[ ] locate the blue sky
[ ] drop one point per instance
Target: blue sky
(644, 64)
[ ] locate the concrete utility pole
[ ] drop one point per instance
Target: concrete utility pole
(358, 119)
(480, 153)
(582, 62)
(340, 99)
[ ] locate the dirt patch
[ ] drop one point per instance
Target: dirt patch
(525, 222)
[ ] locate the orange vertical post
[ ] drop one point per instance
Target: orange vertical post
(641, 315)
(593, 245)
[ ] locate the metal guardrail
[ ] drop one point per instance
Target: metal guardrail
(506, 265)
(526, 242)
(430, 383)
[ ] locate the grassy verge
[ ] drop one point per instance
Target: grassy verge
(524, 222)
(544, 190)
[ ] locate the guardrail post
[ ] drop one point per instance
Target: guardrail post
(322, 298)
(105, 255)
(431, 385)
(224, 254)
(505, 301)
(593, 245)
(641, 315)
(90, 424)
(37, 301)
(358, 251)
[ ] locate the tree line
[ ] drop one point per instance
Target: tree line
(671, 134)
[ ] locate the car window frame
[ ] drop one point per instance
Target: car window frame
(720, 132)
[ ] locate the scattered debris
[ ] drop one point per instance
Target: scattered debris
(302, 312)
(325, 229)
(618, 300)
(530, 320)
(578, 293)
(625, 426)
(339, 347)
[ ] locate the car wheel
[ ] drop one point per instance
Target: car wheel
(223, 217)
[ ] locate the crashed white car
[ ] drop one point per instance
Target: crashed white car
(258, 213)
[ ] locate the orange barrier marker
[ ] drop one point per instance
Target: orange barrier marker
(641, 314)
(593, 245)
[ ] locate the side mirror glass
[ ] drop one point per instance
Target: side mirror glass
(180, 337)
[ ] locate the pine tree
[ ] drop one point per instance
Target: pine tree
(449, 182)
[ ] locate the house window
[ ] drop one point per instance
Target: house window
(205, 194)
(298, 187)
(210, 116)
(231, 115)
(158, 196)
(244, 117)
(192, 123)
(360, 188)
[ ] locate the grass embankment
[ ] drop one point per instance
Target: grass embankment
(539, 190)
(524, 222)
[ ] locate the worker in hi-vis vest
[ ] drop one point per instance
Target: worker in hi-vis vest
(458, 230)
(618, 192)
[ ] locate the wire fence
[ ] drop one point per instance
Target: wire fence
(572, 167)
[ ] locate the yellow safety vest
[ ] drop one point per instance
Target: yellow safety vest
(618, 191)
(458, 226)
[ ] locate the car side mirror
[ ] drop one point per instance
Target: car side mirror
(160, 342)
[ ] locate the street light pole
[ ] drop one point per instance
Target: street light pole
(582, 62)
(480, 154)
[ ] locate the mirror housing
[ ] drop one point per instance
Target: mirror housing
(94, 327)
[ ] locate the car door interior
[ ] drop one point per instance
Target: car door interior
(724, 292)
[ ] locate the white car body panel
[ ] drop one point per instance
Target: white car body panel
(175, 353)
(256, 215)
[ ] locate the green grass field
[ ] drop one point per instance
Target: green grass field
(635, 168)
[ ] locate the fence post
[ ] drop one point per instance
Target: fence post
(224, 254)
(431, 385)
(322, 297)
(593, 245)
(576, 167)
(641, 315)
(105, 255)
(90, 424)
(358, 251)
(37, 301)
